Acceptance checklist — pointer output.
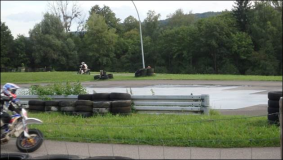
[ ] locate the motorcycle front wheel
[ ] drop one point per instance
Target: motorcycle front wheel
(31, 144)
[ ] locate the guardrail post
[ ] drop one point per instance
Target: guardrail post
(205, 103)
(281, 123)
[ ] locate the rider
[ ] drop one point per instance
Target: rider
(84, 67)
(9, 90)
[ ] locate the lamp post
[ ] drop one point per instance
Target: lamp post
(140, 36)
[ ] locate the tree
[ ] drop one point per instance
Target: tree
(241, 11)
(214, 39)
(108, 15)
(179, 18)
(266, 34)
(100, 42)
(51, 45)
(151, 23)
(62, 10)
(6, 45)
(21, 48)
(130, 23)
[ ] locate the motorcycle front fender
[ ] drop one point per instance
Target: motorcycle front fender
(33, 121)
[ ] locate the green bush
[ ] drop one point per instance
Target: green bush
(57, 89)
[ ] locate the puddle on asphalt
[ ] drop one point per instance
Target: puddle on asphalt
(221, 97)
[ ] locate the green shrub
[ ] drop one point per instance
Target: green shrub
(57, 89)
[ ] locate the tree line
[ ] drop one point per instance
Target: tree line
(246, 41)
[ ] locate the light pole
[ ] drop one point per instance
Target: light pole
(140, 36)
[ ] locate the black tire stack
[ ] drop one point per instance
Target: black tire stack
(144, 72)
(273, 106)
(101, 103)
(150, 72)
(66, 107)
(36, 105)
(121, 103)
(52, 106)
(83, 108)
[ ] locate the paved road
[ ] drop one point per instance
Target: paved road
(84, 150)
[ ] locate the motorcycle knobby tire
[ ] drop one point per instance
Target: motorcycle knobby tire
(38, 143)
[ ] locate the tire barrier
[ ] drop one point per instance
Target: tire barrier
(120, 96)
(87, 105)
(103, 76)
(52, 106)
(144, 72)
(110, 76)
(273, 106)
(36, 105)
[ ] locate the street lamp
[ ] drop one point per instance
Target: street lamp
(140, 36)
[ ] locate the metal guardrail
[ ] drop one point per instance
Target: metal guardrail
(193, 104)
(171, 103)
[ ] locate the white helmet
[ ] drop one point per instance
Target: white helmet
(83, 62)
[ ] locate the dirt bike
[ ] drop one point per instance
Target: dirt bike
(28, 140)
(86, 72)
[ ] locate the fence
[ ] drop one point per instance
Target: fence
(171, 104)
(178, 104)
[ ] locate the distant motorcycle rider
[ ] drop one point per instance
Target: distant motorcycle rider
(84, 67)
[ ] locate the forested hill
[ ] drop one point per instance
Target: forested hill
(197, 16)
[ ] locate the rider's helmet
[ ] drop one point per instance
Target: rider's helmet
(11, 87)
(83, 63)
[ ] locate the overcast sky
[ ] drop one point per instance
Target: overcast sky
(21, 16)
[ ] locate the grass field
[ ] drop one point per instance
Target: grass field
(51, 77)
(169, 130)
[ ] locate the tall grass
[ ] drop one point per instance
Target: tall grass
(52, 77)
(168, 130)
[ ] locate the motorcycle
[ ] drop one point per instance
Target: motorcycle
(82, 72)
(28, 140)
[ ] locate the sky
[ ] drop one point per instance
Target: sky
(21, 16)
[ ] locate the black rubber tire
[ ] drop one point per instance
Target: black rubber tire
(121, 110)
(14, 156)
(120, 96)
(104, 77)
(108, 157)
(101, 104)
(273, 104)
(272, 110)
(85, 97)
(82, 108)
(110, 76)
(121, 104)
(67, 109)
(273, 117)
(83, 103)
(143, 72)
(274, 95)
(150, 70)
(51, 103)
(100, 110)
(66, 103)
(101, 97)
(52, 108)
(36, 108)
(36, 103)
(150, 74)
(58, 156)
(30, 149)
(96, 77)
(83, 114)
